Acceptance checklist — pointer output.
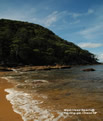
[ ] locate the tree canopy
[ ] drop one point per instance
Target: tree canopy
(28, 43)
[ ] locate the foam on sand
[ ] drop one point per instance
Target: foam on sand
(24, 104)
(8, 78)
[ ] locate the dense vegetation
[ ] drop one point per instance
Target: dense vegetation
(27, 43)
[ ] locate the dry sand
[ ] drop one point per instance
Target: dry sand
(6, 110)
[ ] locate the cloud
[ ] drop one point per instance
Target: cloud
(76, 15)
(100, 57)
(20, 14)
(90, 11)
(50, 19)
(93, 31)
(47, 20)
(90, 45)
(93, 25)
(75, 22)
(55, 16)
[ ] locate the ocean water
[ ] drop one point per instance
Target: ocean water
(53, 95)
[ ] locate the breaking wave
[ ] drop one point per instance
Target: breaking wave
(24, 104)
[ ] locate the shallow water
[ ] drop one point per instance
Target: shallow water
(44, 95)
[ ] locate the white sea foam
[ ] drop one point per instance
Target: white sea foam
(15, 70)
(28, 108)
(8, 78)
(37, 80)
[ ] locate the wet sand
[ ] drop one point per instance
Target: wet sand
(76, 99)
(6, 110)
(57, 100)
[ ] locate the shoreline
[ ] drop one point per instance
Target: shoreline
(26, 68)
(6, 110)
(83, 101)
(33, 68)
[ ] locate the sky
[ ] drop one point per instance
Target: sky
(77, 21)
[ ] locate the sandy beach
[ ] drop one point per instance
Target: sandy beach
(6, 110)
(55, 101)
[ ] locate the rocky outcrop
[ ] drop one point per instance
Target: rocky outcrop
(89, 69)
(39, 68)
(4, 69)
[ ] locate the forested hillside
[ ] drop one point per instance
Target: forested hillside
(31, 44)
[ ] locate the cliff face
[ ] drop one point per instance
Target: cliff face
(27, 43)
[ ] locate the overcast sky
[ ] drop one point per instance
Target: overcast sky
(78, 21)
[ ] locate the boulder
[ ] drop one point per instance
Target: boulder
(89, 69)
